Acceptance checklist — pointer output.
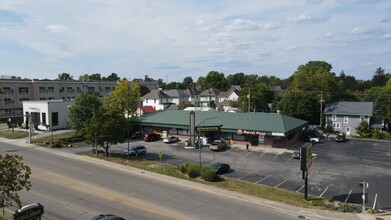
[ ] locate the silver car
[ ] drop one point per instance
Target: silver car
(135, 150)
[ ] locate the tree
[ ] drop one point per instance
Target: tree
(236, 79)
(380, 96)
(111, 77)
(364, 130)
(260, 97)
(14, 177)
(184, 104)
(124, 97)
(187, 82)
(379, 79)
(300, 105)
(216, 80)
(81, 112)
(65, 76)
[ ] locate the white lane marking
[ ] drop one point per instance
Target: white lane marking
(246, 175)
(280, 183)
(300, 188)
(276, 156)
(262, 154)
(263, 179)
(348, 196)
(374, 202)
(324, 191)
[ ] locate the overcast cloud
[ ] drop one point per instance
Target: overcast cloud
(172, 39)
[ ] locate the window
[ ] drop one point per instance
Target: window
(51, 90)
(43, 118)
(23, 90)
(154, 101)
(23, 99)
(334, 117)
(336, 125)
(54, 118)
(362, 118)
(345, 119)
(41, 90)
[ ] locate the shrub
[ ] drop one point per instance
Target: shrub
(58, 144)
(182, 168)
(193, 170)
(208, 174)
(378, 134)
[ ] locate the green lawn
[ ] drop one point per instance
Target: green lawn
(16, 134)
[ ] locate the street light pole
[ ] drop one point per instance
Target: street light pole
(199, 140)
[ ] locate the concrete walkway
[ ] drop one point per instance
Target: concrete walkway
(301, 213)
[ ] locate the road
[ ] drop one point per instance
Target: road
(74, 187)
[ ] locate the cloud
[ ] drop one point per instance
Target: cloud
(243, 24)
(56, 28)
(306, 18)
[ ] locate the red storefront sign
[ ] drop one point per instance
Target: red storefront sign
(241, 131)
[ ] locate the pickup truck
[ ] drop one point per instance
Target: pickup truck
(218, 145)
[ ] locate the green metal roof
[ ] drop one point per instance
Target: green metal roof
(229, 122)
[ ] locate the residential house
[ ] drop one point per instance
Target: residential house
(142, 110)
(157, 99)
(209, 95)
(346, 116)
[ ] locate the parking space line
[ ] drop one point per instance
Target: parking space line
(300, 188)
(324, 191)
(280, 183)
(276, 156)
(263, 179)
(348, 196)
(374, 202)
(246, 175)
(262, 154)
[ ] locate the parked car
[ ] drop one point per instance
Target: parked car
(340, 138)
(170, 139)
(151, 137)
(220, 168)
(136, 135)
(296, 155)
(314, 140)
(135, 150)
(107, 217)
(218, 145)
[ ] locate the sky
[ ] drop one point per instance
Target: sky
(173, 39)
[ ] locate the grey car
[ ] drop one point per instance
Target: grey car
(135, 150)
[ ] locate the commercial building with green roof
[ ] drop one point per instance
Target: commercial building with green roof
(267, 129)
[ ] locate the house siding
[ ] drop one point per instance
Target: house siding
(353, 122)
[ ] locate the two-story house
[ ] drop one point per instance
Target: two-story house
(346, 116)
(209, 95)
(157, 99)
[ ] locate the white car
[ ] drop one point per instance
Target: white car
(314, 140)
(170, 139)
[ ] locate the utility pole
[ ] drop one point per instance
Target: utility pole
(249, 93)
(321, 108)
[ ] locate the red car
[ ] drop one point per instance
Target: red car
(151, 137)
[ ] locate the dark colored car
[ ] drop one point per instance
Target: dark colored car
(107, 217)
(340, 138)
(136, 135)
(151, 137)
(220, 168)
(218, 145)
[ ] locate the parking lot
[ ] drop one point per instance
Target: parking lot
(335, 173)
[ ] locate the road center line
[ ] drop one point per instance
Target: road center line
(263, 179)
(348, 196)
(280, 183)
(300, 188)
(324, 191)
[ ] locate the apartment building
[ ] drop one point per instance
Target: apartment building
(17, 91)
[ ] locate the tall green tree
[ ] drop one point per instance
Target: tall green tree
(236, 79)
(300, 105)
(124, 97)
(379, 78)
(65, 76)
(380, 96)
(216, 80)
(261, 96)
(187, 82)
(81, 112)
(14, 177)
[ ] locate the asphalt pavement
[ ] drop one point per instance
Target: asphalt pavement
(300, 212)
